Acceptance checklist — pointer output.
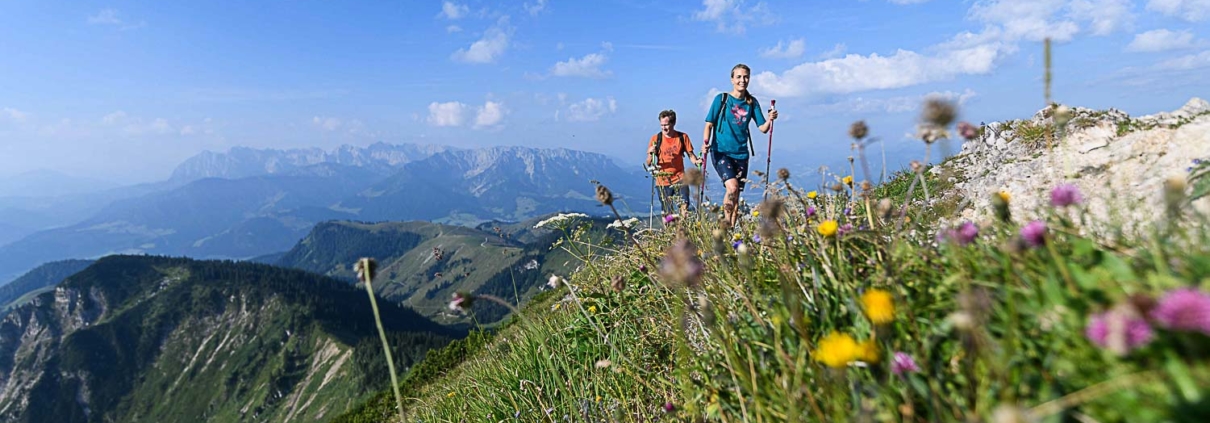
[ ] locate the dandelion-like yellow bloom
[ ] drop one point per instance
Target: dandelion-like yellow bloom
(836, 350)
(450, 395)
(812, 194)
(755, 213)
(867, 351)
(1004, 196)
(827, 228)
(848, 180)
(736, 236)
(879, 306)
(592, 309)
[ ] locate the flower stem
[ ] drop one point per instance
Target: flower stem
(386, 347)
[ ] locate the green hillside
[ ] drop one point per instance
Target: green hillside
(164, 339)
(41, 279)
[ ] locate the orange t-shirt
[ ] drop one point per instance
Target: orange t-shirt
(670, 157)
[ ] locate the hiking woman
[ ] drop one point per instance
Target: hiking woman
(727, 137)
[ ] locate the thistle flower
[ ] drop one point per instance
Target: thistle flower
(967, 131)
(964, 234)
(810, 212)
(903, 363)
(604, 195)
(1184, 309)
(783, 174)
(462, 301)
(670, 218)
(836, 350)
(939, 112)
(668, 407)
(681, 264)
(812, 194)
(828, 228)
(1034, 233)
(859, 130)
(693, 177)
(1120, 330)
(1064, 195)
(879, 306)
(844, 229)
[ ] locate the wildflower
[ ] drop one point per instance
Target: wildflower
(736, 244)
(964, 234)
(742, 249)
(1174, 195)
(783, 174)
(643, 268)
(1121, 330)
(670, 218)
(604, 195)
(859, 130)
(668, 407)
(558, 219)
(462, 301)
(756, 238)
(810, 212)
(1184, 309)
(867, 351)
(844, 229)
(836, 350)
(903, 363)
(555, 282)
(879, 306)
(939, 112)
(755, 213)
(848, 180)
(1065, 195)
(451, 394)
(601, 364)
(812, 194)
(627, 224)
(827, 228)
(681, 264)
(1000, 205)
(592, 309)
(736, 236)
(967, 131)
(1034, 233)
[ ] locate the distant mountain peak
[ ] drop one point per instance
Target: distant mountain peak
(240, 161)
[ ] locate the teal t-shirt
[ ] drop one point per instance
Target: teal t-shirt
(731, 134)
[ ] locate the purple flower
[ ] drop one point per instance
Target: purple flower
(903, 363)
(1034, 233)
(1125, 327)
(844, 229)
(756, 238)
(847, 210)
(1184, 309)
(810, 212)
(1065, 195)
(968, 131)
(670, 218)
(1197, 161)
(967, 232)
(668, 407)
(736, 244)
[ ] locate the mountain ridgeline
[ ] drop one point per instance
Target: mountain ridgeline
(43, 278)
(250, 203)
(140, 338)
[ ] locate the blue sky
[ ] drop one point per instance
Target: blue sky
(125, 90)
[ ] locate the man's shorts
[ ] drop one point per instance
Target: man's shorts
(731, 168)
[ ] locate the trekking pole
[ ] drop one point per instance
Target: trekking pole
(769, 156)
(701, 194)
(651, 205)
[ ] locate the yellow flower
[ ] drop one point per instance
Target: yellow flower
(836, 350)
(556, 306)
(598, 398)
(592, 309)
(450, 395)
(879, 306)
(736, 236)
(867, 351)
(755, 213)
(1004, 196)
(812, 194)
(827, 228)
(848, 180)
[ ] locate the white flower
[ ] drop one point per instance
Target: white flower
(627, 224)
(555, 282)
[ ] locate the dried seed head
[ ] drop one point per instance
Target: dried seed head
(693, 177)
(618, 284)
(681, 265)
(917, 167)
(604, 195)
(366, 268)
(1174, 194)
(859, 130)
(771, 208)
(866, 186)
(838, 187)
(850, 159)
(884, 208)
(939, 112)
(1062, 114)
(783, 174)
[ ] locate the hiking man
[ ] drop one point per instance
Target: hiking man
(728, 139)
(667, 149)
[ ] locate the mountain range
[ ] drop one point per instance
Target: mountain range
(250, 202)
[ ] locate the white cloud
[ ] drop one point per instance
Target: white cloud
(1032, 20)
(451, 10)
(105, 17)
(897, 104)
(188, 130)
(588, 66)
(136, 126)
(1161, 40)
(14, 114)
(792, 50)
(907, 1)
(490, 114)
(1190, 10)
(326, 123)
(453, 28)
(1187, 62)
(734, 15)
(1104, 16)
(591, 109)
(536, 7)
(492, 45)
(708, 99)
(855, 73)
(114, 117)
(836, 51)
(446, 114)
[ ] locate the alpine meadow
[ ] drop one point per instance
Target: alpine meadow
(992, 211)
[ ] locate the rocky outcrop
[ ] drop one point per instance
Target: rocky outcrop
(1118, 162)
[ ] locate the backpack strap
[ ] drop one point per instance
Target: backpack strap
(659, 139)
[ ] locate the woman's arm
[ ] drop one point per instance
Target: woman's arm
(706, 135)
(764, 129)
